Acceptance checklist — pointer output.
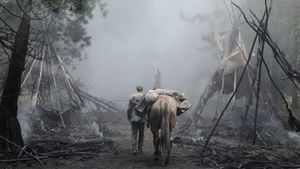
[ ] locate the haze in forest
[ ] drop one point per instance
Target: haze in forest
(138, 37)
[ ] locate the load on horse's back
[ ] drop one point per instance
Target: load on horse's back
(162, 107)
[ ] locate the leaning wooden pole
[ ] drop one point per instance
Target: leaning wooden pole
(53, 77)
(261, 54)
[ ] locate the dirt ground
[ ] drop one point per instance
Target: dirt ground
(121, 157)
(223, 152)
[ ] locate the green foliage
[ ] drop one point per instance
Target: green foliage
(65, 22)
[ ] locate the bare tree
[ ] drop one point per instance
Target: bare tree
(10, 127)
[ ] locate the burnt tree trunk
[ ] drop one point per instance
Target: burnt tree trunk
(157, 80)
(9, 124)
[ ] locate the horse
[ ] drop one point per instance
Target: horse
(162, 117)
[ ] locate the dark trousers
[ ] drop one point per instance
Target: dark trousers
(137, 135)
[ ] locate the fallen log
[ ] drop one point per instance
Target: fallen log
(92, 141)
(23, 159)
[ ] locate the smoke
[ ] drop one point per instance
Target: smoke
(96, 129)
(293, 139)
(138, 37)
(24, 117)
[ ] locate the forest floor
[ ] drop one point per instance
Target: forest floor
(221, 153)
(120, 157)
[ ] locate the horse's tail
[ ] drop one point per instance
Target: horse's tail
(165, 127)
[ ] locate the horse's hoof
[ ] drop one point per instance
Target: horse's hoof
(158, 154)
(156, 158)
(167, 161)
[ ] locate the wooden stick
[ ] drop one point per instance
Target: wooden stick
(29, 154)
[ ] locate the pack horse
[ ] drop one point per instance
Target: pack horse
(162, 107)
(162, 117)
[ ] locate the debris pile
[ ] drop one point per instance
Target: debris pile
(225, 154)
(76, 143)
(63, 149)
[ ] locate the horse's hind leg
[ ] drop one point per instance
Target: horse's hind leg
(156, 144)
(172, 135)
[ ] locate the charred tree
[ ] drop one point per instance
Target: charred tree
(9, 124)
(157, 82)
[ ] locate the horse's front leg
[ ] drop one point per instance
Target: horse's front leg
(156, 144)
